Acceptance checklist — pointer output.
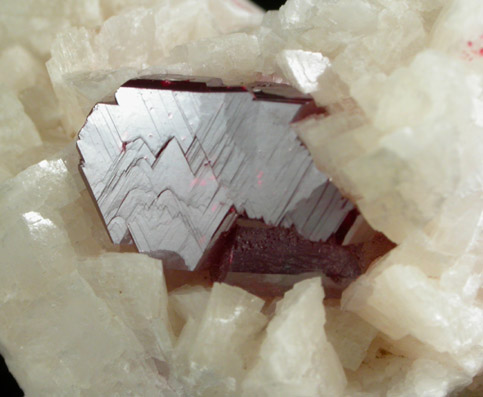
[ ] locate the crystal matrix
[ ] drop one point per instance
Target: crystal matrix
(402, 83)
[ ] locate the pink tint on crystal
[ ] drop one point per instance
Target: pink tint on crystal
(180, 131)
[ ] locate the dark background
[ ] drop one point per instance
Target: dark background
(270, 5)
(8, 385)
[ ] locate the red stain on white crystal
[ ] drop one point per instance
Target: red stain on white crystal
(473, 49)
(259, 177)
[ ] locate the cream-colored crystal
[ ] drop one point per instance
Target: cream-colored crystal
(386, 374)
(64, 333)
(140, 38)
(35, 23)
(295, 358)
(29, 111)
(303, 68)
(350, 335)
(117, 279)
(17, 132)
(19, 69)
(217, 342)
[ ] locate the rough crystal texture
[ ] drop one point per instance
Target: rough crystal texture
(160, 25)
(63, 333)
(350, 335)
(170, 159)
(17, 132)
(107, 315)
(387, 372)
(308, 367)
(217, 342)
(253, 247)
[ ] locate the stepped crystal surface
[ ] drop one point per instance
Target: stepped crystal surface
(402, 85)
(170, 160)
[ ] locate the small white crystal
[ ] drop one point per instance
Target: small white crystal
(139, 38)
(187, 303)
(350, 335)
(17, 132)
(216, 345)
(303, 68)
(27, 77)
(295, 358)
(133, 287)
(232, 57)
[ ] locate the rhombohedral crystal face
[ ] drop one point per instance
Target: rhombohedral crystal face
(173, 162)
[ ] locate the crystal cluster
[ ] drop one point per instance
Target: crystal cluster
(402, 82)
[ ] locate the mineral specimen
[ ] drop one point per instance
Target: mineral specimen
(172, 162)
(310, 366)
(402, 83)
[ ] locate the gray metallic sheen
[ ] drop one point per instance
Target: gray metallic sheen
(167, 167)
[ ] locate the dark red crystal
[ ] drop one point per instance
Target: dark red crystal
(174, 161)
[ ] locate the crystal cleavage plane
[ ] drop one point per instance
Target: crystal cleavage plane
(173, 161)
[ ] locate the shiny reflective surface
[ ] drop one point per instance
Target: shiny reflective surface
(171, 164)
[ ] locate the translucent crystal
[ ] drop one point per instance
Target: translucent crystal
(217, 342)
(438, 314)
(384, 373)
(116, 47)
(350, 335)
(17, 132)
(46, 298)
(295, 357)
(117, 279)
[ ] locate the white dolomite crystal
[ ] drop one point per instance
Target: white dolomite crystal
(35, 23)
(385, 374)
(295, 357)
(118, 279)
(216, 344)
(350, 336)
(18, 133)
(187, 303)
(403, 84)
(63, 333)
(139, 38)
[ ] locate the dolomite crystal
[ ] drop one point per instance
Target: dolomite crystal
(170, 159)
(402, 84)
(310, 366)
(113, 55)
(46, 244)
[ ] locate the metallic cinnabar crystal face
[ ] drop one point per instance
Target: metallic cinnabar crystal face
(172, 164)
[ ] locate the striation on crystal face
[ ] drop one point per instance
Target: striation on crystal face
(173, 162)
